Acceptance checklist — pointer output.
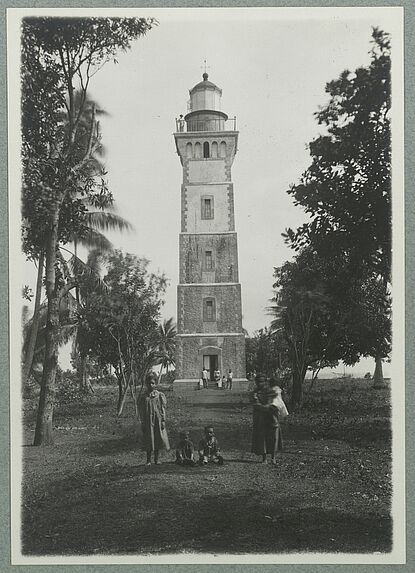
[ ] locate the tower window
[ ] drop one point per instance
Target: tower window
(207, 207)
(206, 153)
(209, 310)
(208, 261)
(189, 151)
(214, 149)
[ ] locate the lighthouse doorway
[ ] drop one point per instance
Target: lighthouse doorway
(211, 363)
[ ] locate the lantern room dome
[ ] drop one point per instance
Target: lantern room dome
(205, 85)
(205, 96)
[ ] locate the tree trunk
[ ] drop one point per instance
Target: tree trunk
(30, 350)
(378, 380)
(43, 431)
(84, 383)
(120, 393)
(121, 401)
(297, 389)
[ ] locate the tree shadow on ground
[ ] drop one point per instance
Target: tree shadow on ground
(122, 515)
(111, 446)
(352, 431)
(232, 406)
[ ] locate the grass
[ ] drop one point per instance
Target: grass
(330, 492)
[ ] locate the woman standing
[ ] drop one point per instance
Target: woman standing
(266, 431)
(152, 409)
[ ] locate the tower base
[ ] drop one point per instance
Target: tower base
(192, 385)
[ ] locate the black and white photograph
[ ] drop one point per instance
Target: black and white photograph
(206, 261)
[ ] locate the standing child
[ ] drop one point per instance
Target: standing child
(229, 379)
(185, 450)
(152, 410)
(209, 450)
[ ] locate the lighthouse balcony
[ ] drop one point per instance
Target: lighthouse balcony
(191, 125)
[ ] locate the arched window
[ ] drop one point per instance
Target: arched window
(214, 149)
(209, 310)
(206, 153)
(198, 150)
(189, 151)
(223, 149)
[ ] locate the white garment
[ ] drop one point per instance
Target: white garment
(278, 402)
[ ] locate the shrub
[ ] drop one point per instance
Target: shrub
(68, 389)
(168, 378)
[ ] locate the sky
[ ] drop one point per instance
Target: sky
(272, 65)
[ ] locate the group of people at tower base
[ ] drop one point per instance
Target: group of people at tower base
(224, 382)
(268, 410)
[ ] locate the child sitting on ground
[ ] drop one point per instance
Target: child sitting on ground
(185, 450)
(209, 450)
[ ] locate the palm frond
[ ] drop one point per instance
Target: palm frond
(83, 270)
(66, 332)
(95, 240)
(103, 221)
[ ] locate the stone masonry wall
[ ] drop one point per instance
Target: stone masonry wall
(190, 308)
(190, 351)
(224, 254)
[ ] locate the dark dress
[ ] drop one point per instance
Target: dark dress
(266, 431)
(152, 409)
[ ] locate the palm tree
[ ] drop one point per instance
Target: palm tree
(166, 345)
(102, 218)
(72, 268)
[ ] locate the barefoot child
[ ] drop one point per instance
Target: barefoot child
(185, 450)
(209, 450)
(152, 410)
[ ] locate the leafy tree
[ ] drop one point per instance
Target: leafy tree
(60, 136)
(326, 314)
(300, 302)
(75, 271)
(263, 353)
(346, 191)
(120, 327)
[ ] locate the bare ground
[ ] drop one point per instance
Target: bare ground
(91, 493)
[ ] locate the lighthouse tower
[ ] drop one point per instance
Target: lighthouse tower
(209, 310)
